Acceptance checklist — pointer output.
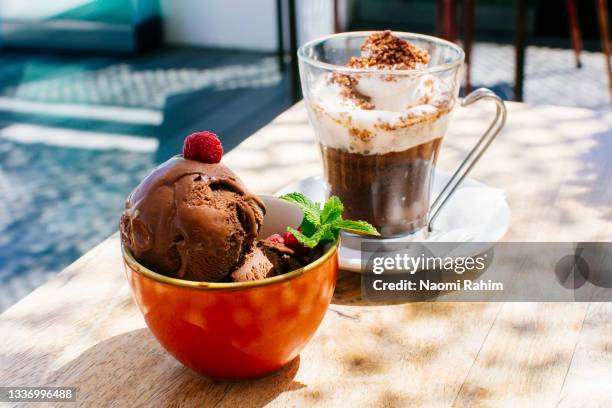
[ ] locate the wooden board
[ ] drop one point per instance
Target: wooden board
(82, 328)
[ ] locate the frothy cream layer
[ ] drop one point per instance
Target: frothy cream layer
(408, 110)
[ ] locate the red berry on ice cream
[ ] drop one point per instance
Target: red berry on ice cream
(204, 147)
(276, 238)
(292, 242)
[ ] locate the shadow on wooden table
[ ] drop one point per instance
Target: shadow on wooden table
(127, 358)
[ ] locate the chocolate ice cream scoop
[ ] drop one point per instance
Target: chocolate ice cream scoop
(191, 220)
(266, 259)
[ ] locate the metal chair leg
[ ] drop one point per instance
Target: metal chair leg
(469, 13)
(446, 19)
(280, 34)
(602, 14)
(294, 75)
(520, 44)
(337, 24)
(440, 18)
(572, 15)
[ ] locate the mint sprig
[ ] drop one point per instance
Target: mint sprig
(321, 225)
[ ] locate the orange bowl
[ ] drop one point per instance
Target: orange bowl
(237, 330)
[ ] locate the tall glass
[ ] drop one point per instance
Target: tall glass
(380, 130)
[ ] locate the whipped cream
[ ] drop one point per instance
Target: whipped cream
(406, 111)
(381, 112)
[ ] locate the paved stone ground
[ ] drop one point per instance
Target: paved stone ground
(57, 202)
(551, 76)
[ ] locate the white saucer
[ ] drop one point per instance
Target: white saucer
(475, 213)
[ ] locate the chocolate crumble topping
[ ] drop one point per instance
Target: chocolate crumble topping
(347, 83)
(384, 50)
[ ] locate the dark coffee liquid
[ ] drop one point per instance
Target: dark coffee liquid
(391, 191)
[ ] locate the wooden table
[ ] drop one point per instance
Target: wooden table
(82, 328)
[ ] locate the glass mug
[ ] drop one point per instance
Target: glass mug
(379, 155)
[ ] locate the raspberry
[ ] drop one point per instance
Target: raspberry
(292, 243)
(204, 147)
(276, 239)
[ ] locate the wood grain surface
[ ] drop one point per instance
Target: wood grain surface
(82, 328)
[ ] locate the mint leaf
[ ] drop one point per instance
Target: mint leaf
(328, 233)
(332, 210)
(312, 211)
(358, 227)
(309, 242)
(308, 228)
(322, 225)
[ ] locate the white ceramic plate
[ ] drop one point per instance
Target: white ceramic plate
(475, 213)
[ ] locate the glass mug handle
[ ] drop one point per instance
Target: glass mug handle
(468, 163)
